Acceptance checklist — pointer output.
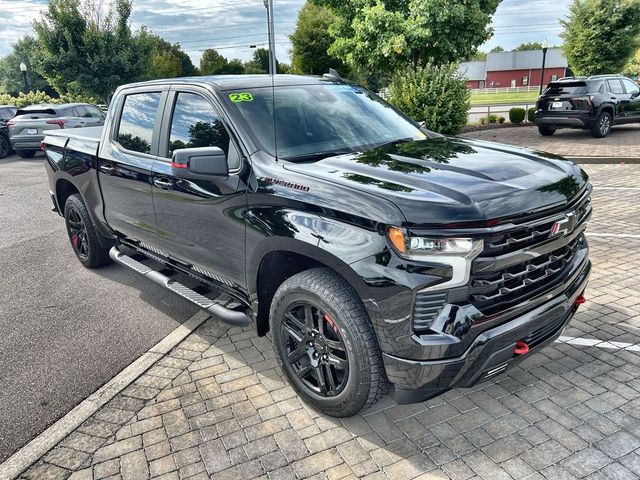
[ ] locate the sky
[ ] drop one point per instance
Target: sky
(233, 26)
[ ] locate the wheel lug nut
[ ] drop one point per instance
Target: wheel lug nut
(310, 344)
(315, 354)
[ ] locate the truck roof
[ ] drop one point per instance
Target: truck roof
(234, 82)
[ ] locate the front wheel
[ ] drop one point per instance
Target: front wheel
(83, 235)
(602, 127)
(26, 153)
(325, 343)
(546, 131)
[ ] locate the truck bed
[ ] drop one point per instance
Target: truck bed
(85, 140)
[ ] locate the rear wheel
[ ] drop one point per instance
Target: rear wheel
(546, 131)
(602, 127)
(5, 147)
(325, 343)
(83, 235)
(26, 153)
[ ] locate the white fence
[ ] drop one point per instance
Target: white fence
(529, 88)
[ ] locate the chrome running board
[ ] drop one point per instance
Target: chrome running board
(233, 317)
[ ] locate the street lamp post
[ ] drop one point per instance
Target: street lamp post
(545, 47)
(272, 38)
(23, 69)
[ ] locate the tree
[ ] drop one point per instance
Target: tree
(212, 63)
(11, 78)
(80, 51)
(311, 41)
(528, 46)
(234, 67)
(396, 33)
(477, 56)
(633, 67)
(600, 36)
(168, 60)
(497, 49)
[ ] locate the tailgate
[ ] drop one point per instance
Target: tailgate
(565, 96)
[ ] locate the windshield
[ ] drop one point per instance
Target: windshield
(316, 120)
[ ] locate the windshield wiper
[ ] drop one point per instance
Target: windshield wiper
(393, 142)
(310, 157)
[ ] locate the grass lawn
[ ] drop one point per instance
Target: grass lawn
(491, 98)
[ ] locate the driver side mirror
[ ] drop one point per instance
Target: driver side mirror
(200, 161)
(635, 94)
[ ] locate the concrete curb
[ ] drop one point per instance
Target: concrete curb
(604, 160)
(39, 446)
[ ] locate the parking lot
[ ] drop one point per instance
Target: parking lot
(217, 406)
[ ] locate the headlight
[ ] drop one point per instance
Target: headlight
(455, 252)
(416, 248)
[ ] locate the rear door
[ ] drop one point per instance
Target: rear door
(200, 220)
(126, 162)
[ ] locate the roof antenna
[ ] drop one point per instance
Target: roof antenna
(333, 75)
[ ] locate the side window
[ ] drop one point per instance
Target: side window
(93, 111)
(79, 111)
(631, 87)
(138, 116)
(196, 124)
(615, 86)
(4, 114)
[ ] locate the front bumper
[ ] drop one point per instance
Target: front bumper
(491, 353)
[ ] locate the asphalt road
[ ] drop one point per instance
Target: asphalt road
(64, 330)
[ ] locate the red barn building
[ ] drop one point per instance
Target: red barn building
(515, 69)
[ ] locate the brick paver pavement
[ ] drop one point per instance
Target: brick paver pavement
(217, 406)
(623, 142)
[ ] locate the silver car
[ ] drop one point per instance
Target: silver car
(27, 128)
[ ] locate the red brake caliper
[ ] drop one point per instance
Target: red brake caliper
(74, 240)
(330, 321)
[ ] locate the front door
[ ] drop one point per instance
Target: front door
(617, 94)
(632, 104)
(125, 165)
(201, 222)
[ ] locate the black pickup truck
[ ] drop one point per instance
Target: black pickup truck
(375, 252)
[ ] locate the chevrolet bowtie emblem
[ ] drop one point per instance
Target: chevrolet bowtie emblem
(565, 226)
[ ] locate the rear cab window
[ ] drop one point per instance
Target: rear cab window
(135, 130)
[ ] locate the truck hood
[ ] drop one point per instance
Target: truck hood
(450, 180)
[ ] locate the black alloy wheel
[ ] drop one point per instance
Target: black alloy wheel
(602, 127)
(5, 147)
(77, 233)
(315, 349)
(325, 343)
(83, 235)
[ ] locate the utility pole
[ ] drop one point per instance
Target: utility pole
(272, 38)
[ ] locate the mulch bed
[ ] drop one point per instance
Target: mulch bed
(492, 126)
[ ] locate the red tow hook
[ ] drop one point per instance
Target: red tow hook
(521, 348)
(579, 300)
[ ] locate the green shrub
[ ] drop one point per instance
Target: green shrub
(516, 115)
(493, 118)
(435, 94)
(483, 120)
(501, 119)
(33, 98)
(530, 113)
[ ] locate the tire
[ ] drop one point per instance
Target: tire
(83, 235)
(5, 147)
(546, 131)
(342, 338)
(602, 127)
(26, 153)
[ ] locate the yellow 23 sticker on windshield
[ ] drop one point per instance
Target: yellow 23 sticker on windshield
(241, 97)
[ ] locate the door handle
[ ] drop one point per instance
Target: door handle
(106, 169)
(163, 184)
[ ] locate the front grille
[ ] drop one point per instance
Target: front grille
(426, 308)
(497, 290)
(532, 233)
